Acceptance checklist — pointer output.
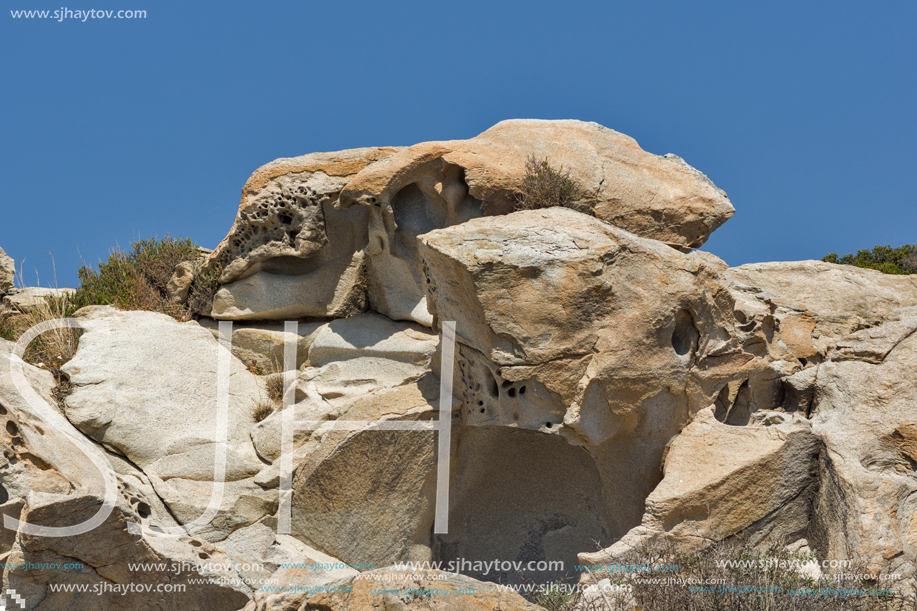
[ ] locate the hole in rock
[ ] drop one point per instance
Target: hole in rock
(685, 335)
(144, 511)
(11, 428)
(492, 388)
(4, 495)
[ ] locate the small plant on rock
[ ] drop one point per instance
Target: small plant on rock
(205, 286)
(544, 186)
(274, 387)
(263, 410)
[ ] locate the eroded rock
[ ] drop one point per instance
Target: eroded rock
(291, 253)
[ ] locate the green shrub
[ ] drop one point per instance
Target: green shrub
(544, 187)
(138, 280)
(902, 260)
(205, 286)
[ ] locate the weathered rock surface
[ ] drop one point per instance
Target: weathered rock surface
(367, 496)
(572, 327)
(291, 253)
(328, 392)
(7, 271)
(301, 247)
(439, 184)
(611, 389)
(866, 416)
(45, 480)
(150, 372)
(175, 577)
(809, 305)
(263, 343)
(372, 335)
(720, 480)
(180, 282)
(846, 484)
(569, 325)
(651, 196)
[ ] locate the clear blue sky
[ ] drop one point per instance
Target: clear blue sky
(118, 129)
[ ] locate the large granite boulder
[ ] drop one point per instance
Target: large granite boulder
(136, 372)
(571, 326)
(438, 184)
(832, 460)
(48, 478)
(329, 234)
(582, 331)
(141, 372)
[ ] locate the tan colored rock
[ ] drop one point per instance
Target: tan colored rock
(372, 335)
(572, 327)
(439, 184)
(264, 343)
(336, 290)
(38, 457)
(721, 480)
(853, 494)
(283, 207)
(865, 414)
(291, 253)
(651, 196)
(180, 282)
(801, 309)
(524, 496)
(45, 480)
(7, 271)
(328, 392)
(368, 496)
(106, 555)
(595, 329)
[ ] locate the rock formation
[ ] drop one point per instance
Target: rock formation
(7, 271)
(611, 387)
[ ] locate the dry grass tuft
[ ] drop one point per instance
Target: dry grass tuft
(729, 576)
(545, 187)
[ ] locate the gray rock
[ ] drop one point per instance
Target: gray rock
(151, 373)
(372, 335)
